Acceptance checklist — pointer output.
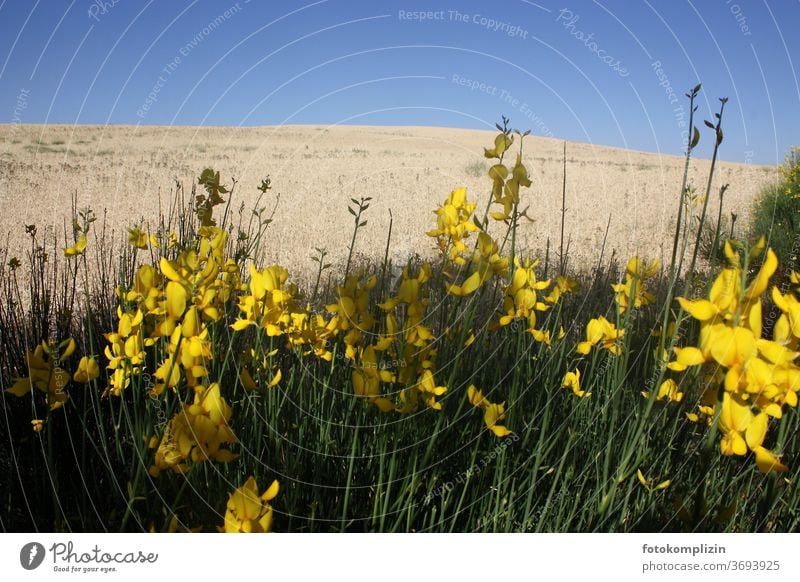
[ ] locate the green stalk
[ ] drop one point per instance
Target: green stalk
(353, 449)
(718, 141)
(715, 243)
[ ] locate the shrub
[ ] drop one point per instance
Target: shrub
(776, 212)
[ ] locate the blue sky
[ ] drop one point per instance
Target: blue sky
(609, 72)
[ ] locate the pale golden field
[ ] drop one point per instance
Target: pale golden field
(316, 170)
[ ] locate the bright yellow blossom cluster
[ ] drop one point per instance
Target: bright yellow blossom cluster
(521, 300)
(668, 391)
(453, 225)
(125, 352)
(603, 333)
(485, 264)
(411, 359)
(45, 373)
(563, 285)
(352, 316)
(632, 292)
(757, 375)
(174, 302)
(505, 189)
(270, 303)
(455, 222)
(196, 433)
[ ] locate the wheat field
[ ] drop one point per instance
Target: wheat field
(125, 170)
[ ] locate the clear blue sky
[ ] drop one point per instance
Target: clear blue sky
(578, 70)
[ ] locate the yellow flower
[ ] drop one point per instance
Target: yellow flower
(563, 285)
(485, 263)
(352, 312)
(521, 300)
(475, 397)
(767, 462)
(428, 390)
(197, 433)
(505, 190)
(602, 332)
(759, 375)
(649, 484)
(572, 380)
(468, 287)
(741, 429)
(501, 143)
(45, 374)
(787, 328)
(125, 349)
(632, 291)
(137, 238)
(77, 249)
(249, 512)
(37, 425)
(667, 391)
(87, 370)
(453, 217)
(493, 414)
(367, 377)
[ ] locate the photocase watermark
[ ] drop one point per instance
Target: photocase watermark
(511, 30)
(20, 105)
(31, 555)
(476, 468)
(538, 124)
(95, 560)
(475, 85)
(158, 404)
(672, 97)
(66, 558)
(344, 360)
(183, 52)
(491, 24)
(421, 15)
(568, 20)
(741, 19)
(100, 8)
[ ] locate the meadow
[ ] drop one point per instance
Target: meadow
(181, 380)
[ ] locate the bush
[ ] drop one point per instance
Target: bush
(776, 212)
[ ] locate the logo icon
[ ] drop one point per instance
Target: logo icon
(31, 555)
